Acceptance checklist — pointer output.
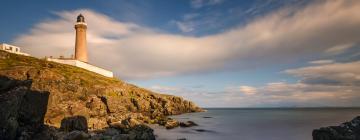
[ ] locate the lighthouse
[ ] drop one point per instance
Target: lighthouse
(81, 57)
(80, 41)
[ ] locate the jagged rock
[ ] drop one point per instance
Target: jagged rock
(74, 123)
(96, 106)
(171, 123)
(187, 124)
(346, 131)
(141, 132)
(22, 109)
(77, 135)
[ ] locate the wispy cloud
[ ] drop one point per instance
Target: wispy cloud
(325, 61)
(336, 74)
(185, 26)
(339, 48)
(193, 23)
(133, 51)
(202, 3)
(312, 90)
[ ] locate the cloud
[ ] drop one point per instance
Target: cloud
(193, 23)
(202, 3)
(283, 94)
(133, 51)
(326, 61)
(339, 48)
(185, 26)
(336, 73)
(247, 90)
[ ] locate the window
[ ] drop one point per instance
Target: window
(16, 50)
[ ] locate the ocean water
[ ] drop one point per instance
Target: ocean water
(256, 124)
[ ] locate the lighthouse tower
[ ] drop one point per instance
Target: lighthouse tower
(80, 41)
(81, 57)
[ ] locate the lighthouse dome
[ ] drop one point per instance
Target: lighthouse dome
(80, 18)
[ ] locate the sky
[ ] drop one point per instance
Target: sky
(216, 53)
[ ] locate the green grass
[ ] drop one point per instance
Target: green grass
(69, 72)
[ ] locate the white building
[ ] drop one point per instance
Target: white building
(12, 49)
(83, 65)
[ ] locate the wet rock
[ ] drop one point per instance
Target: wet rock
(346, 131)
(74, 123)
(77, 135)
(187, 124)
(204, 130)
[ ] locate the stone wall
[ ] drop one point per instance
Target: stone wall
(83, 65)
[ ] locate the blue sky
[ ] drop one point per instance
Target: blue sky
(217, 53)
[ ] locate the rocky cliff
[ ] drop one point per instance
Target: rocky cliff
(346, 131)
(35, 91)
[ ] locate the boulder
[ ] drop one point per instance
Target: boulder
(111, 132)
(346, 131)
(141, 132)
(74, 123)
(187, 124)
(171, 123)
(77, 135)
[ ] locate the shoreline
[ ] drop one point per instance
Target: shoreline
(252, 124)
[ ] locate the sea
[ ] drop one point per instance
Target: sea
(256, 123)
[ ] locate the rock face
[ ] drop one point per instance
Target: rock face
(346, 131)
(74, 123)
(34, 92)
(21, 109)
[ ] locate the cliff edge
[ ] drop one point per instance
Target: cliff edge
(35, 91)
